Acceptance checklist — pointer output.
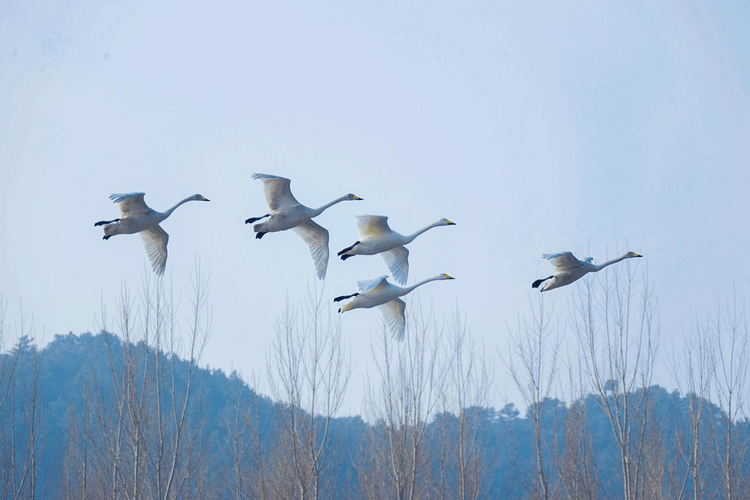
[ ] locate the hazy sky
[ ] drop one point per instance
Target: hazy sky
(538, 127)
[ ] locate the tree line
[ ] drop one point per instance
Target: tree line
(130, 412)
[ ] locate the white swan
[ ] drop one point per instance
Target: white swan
(137, 217)
(376, 237)
(570, 269)
(378, 292)
(288, 213)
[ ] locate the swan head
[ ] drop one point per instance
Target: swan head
(631, 255)
(446, 222)
(199, 197)
(445, 277)
(353, 197)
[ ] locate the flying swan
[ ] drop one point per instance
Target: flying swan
(376, 237)
(378, 292)
(288, 213)
(570, 269)
(137, 217)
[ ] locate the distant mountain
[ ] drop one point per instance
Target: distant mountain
(89, 416)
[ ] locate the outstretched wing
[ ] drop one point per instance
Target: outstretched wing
(155, 239)
(130, 203)
(278, 194)
(562, 261)
(316, 238)
(371, 284)
(397, 260)
(394, 317)
(372, 225)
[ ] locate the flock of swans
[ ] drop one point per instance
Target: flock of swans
(375, 237)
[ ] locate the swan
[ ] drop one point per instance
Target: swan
(570, 269)
(378, 292)
(288, 213)
(376, 237)
(137, 217)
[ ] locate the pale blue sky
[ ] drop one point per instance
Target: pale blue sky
(536, 127)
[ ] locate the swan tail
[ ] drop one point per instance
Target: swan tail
(540, 281)
(347, 249)
(254, 219)
(344, 297)
(104, 222)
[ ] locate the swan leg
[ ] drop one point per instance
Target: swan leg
(344, 257)
(253, 219)
(259, 235)
(344, 297)
(539, 282)
(346, 250)
(103, 222)
(106, 236)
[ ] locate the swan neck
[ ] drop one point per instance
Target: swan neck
(610, 262)
(410, 237)
(420, 283)
(169, 212)
(330, 204)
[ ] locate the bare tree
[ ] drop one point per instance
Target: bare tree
(466, 394)
(147, 423)
(20, 411)
(533, 364)
(401, 405)
(308, 373)
(614, 318)
(693, 370)
(728, 332)
(174, 418)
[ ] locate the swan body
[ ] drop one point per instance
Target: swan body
(570, 269)
(287, 213)
(137, 217)
(376, 237)
(378, 292)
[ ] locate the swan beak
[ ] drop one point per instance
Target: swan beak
(449, 277)
(203, 198)
(358, 198)
(450, 223)
(637, 255)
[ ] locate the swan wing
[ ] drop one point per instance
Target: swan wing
(372, 225)
(371, 284)
(397, 260)
(562, 261)
(155, 239)
(130, 203)
(394, 317)
(278, 193)
(316, 237)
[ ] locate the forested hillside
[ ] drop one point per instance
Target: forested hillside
(89, 416)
